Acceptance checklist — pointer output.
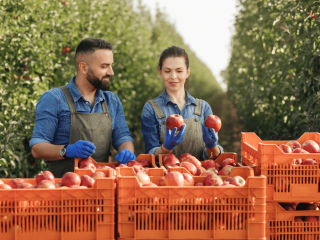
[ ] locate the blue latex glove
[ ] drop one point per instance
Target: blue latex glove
(80, 149)
(172, 140)
(124, 156)
(210, 138)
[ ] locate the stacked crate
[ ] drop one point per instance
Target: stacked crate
(286, 182)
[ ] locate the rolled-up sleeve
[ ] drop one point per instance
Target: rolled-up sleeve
(120, 132)
(46, 121)
(149, 129)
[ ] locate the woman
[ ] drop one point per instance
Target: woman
(193, 137)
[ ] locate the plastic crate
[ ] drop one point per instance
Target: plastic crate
(285, 182)
(149, 157)
(280, 224)
(57, 214)
(191, 212)
(218, 160)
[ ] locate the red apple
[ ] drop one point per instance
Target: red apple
(97, 174)
(311, 219)
(5, 186)
(149, 185)
(311, 206)
(218, 167)
(309, 162)
(144, 163)
(194, 161)
(310, 146)
(294, 144)
(58, 185)
(122, 165)
(45, 184)
(14, 183)
(88, 165)
(199, 184)
(237, 181)
(24, 185)
(70, 178)
(213, 121)
(170, 160)
(297, 161)
(87, 181)
(45, 175)
(206, 173)
(184, 156)
(213, 180)
(208, 164)
(200, 170)
(228, 161)
(143, 177)
(175, 120)
(161, 182)
(84, 160)
(226, 170)
(289, 208)
(285, 148)
(299, 150)
(189, 166)
(133, 163)
(298, 219)
(188, 179)
(213, 170)
(174, 179)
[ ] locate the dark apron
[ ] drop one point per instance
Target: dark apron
(192, 142)
(93, 127)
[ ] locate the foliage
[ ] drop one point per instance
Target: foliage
(273, 75)
(38, 39)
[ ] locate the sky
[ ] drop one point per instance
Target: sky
(205, 25)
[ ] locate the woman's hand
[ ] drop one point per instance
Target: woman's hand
(210, 137)
(171, 139)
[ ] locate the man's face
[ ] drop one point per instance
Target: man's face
(100, 69)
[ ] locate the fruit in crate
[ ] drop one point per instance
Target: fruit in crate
(14, 183)
(285, 148)
(226, 170)
(310, 146)
(45, 175)
(161, 182)
(189, 166)
(143, 177)
(228, 161)
(24, 185)
(70, 178)
(170, 160)
(294, 144)
(213, 180)
(213, 121)
(299, 150)
(174, 179)
(174, 120)
(309, 162)
(5, 186)
(87, 181)
(46, 184)
(208, 164)
(98, 174)
(188, 179)
(237, 181)
(193, 160)
(199, 184)
(199, 171)
(184, 156)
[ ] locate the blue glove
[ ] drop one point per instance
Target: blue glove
(124, 156)
(172, 140)
(80, 149)
(210, 138)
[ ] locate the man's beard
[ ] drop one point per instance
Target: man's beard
(98, 83)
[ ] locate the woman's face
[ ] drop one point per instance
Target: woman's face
(174, 73)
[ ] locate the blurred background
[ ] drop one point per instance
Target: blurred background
(255, 62)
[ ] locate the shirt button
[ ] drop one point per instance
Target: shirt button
(87, 103)
(176, 106)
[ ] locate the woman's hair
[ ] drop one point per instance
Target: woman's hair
(173, 51)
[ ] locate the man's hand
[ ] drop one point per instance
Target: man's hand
(124, 156)
(210, 138)
(80, 149)
(171, 139)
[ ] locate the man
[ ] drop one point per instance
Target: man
(80, 119)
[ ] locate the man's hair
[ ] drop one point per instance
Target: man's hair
(88, 45)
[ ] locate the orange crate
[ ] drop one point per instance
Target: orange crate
(191, 212)
(219, 160)
(80, 172)
(280, 224)
(285, 181)
(55, 214)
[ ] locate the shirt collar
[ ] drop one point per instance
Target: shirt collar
(76, 95)
(189, 98)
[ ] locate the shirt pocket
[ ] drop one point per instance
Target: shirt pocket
(66, 123)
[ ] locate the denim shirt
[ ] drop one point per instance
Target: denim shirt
(52, 124)
(151, 125)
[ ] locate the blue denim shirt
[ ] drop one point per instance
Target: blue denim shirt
(151, 125)
(52, 124)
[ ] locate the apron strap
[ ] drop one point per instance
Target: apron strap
(69, 98)
(197, 109)
(157, 108)
(105, 107)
